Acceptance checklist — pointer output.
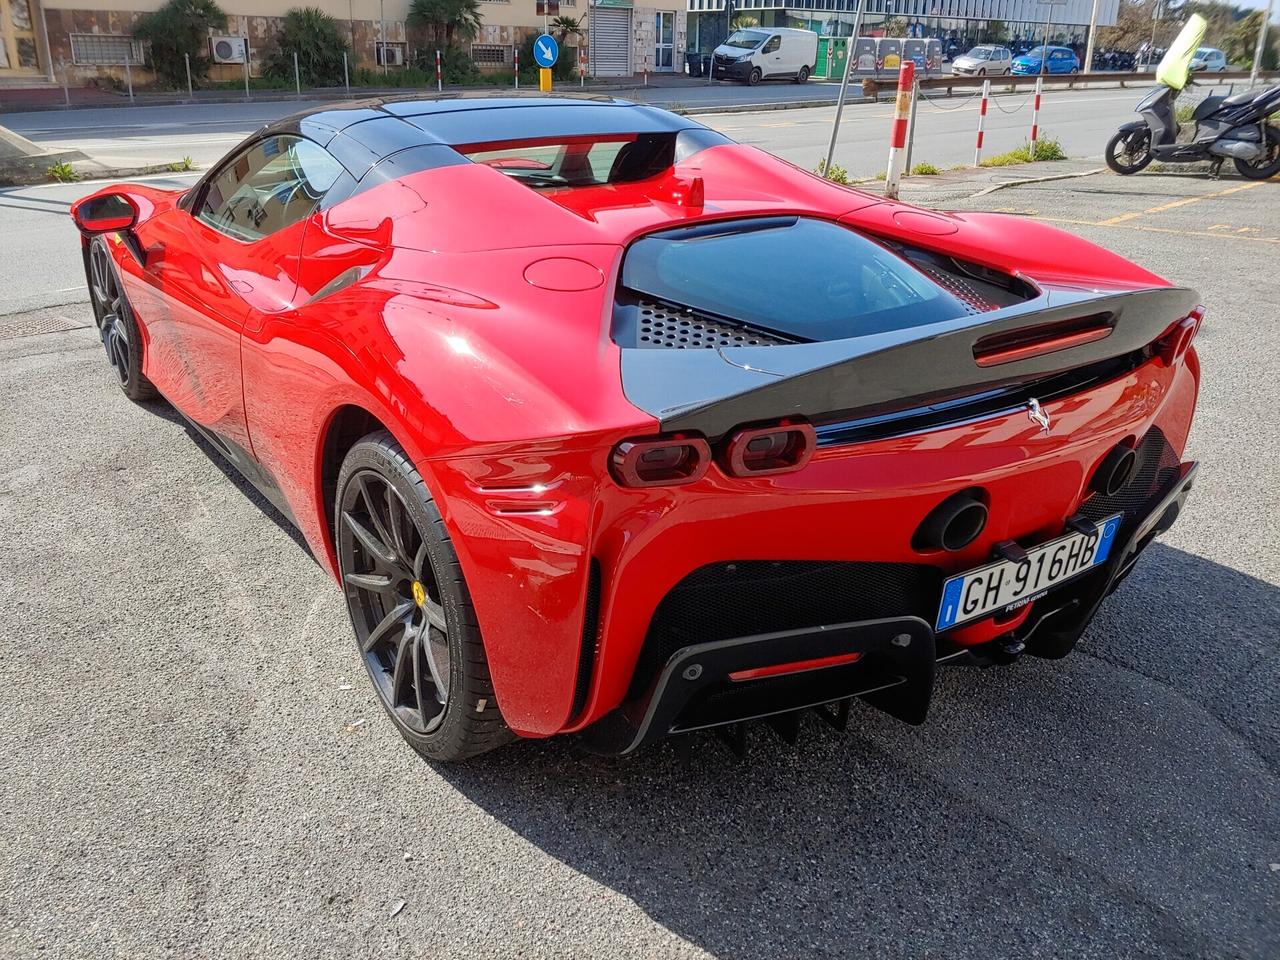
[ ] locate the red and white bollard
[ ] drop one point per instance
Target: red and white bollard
(439, 75)
(898, 141)
(982, 120)
(517, 49)
(1035, 115)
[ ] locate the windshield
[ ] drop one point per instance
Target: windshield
(980, 53)
(836, 283)
(1204, 53)
(1035, 52)
(746, 39)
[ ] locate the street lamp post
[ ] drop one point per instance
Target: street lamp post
(382, 33)
(1262, 45)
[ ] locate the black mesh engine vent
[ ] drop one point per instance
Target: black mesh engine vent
(660, 326)
(1157, 468)
(968, 295)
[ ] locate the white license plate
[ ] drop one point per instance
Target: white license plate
(1008, 584)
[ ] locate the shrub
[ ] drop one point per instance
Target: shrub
(180, 27)
(924, 169)
(456, 66)
(444, 22)
(63, 172)
(1046, 149)
(317, 40)
(838, 173)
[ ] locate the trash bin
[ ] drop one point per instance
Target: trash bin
(693, 63)
(706, 65)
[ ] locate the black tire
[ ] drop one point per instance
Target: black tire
(1074, 71)
(1269, 164)
(753, 78)
(117, 325)
(982, 72)
(1129, 151)
(803, 75)
(381, 496)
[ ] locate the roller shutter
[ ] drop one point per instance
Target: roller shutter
(611, 42)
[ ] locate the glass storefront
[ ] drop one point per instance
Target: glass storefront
(18, 39)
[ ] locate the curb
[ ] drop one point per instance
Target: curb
(1025, 180)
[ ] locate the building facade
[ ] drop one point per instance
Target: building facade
(965, 22)
(91, 40)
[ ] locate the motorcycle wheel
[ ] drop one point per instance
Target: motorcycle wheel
(1129, 151)
(1266, 166)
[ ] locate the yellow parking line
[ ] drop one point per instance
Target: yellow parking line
(1177, 203)
(1147, 229)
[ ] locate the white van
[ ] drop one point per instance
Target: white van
(753, 54)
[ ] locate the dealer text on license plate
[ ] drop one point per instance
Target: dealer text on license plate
(1008, 584)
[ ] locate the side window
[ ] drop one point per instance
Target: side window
(772, 45)
(277, 181)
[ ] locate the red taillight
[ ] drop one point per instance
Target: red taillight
(1174, 342)
(756, 451)
(660, 463)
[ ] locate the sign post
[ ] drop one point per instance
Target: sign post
(849, 62)
(545, 53)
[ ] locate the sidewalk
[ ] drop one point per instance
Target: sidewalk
(976, 182)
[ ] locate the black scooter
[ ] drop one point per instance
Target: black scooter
(1226, 128)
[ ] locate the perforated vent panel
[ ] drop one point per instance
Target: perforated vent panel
(660, 326)
(973, 301)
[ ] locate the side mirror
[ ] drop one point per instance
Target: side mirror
(105, 213)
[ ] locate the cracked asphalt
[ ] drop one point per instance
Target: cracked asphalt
(193, 765)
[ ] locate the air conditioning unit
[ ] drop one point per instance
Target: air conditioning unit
(390, 54)
(229, 49)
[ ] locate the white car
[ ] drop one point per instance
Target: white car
(984, 60)
(1209, 60)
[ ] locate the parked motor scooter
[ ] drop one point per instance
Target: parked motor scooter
(1232, 127)
(1226, 127)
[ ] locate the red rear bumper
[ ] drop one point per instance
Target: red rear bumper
(567, 569)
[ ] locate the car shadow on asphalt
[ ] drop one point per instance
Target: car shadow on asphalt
(163, 409)
(1120, 802)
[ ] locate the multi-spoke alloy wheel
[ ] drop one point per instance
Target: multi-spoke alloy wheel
(409, 606)
(116, 324)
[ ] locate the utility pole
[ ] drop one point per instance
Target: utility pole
(1093, 30)
(382, 33)
(1044, 49)
(849, 60)
(1262, 45)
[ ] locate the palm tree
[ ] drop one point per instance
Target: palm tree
(566, 27)
(444, 21)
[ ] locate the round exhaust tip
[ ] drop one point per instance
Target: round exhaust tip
(953, 524)
(1115, 472)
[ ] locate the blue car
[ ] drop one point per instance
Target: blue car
(1060, 60)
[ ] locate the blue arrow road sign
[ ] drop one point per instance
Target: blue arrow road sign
(545, 50)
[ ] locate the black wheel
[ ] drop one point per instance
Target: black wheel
(1128, 151)
(803, 75)
(1074, 71)
(1267, 165)
(982, 72)
(753, 77)
(116, 324)
(409, 605)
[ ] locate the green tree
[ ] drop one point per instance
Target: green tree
(318, 41)
(180, 27)
(445, 22)
(565, 27)
(895, 27)
(1240, 43)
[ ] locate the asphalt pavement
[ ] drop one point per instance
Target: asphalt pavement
(192, 763)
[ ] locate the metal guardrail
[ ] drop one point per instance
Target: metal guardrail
(874, 86)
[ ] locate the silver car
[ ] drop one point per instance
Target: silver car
(984, 60)
(1209, 60)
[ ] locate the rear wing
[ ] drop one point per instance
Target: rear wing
(712, 391)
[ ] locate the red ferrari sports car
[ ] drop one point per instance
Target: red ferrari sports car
(608, 425)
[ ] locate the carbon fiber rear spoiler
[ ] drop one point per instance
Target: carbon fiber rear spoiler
(712, 391)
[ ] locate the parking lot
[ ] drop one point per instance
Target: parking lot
(194, 764)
